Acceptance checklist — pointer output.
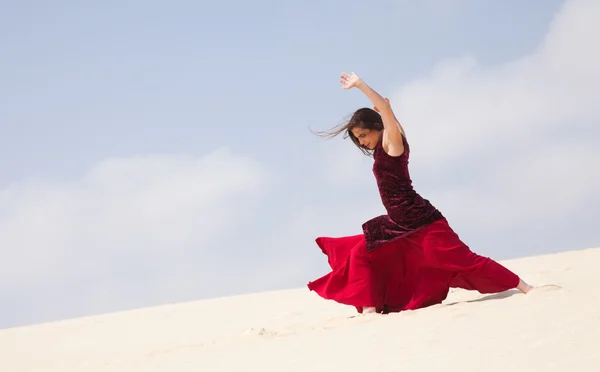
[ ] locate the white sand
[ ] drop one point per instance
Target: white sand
(548, 330)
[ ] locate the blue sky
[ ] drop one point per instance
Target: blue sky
(160, 153)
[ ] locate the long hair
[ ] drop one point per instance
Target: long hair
(365, 118)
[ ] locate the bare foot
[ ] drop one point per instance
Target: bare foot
(524, 287)
(367, 310)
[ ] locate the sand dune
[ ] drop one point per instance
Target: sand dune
(551, 329)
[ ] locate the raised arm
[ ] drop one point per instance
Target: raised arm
(393, 131)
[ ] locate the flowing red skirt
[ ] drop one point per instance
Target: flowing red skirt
(409, 273)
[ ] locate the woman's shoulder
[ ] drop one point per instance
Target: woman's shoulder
(380, 149)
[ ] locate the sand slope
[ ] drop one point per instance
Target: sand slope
(548, 330)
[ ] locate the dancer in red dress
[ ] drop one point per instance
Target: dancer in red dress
(410, 257)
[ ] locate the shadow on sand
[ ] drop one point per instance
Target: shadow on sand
(495, 296)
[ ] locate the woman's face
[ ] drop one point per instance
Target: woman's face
(367, 138)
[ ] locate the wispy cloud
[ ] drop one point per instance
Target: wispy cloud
(143, 227)
(463, 108)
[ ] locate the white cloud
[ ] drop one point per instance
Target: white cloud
(464, 108)
(124, 233)
(550, 186)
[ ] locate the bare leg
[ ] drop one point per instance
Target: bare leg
(524, 287)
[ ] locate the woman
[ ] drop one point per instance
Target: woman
(410, 257)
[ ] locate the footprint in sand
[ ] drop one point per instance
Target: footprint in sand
(259, 332)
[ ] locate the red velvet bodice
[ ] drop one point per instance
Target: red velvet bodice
(406, 210)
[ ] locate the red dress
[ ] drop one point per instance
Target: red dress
(406, 259)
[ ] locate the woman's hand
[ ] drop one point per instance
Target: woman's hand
(393, 131)
(350, 81)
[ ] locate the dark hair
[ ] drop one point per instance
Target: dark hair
(365, 118)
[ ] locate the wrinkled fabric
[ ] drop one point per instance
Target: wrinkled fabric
(406, 274)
